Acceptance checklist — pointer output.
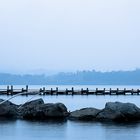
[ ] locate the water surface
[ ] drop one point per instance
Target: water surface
(68, 130)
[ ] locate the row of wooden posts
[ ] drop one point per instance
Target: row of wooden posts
(90, 92)
(10, 91)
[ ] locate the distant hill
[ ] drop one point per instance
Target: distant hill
(81, 78)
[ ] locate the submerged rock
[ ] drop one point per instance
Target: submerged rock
(86, 114)
(8, 109)
(117, 111)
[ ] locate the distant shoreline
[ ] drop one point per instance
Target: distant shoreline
(78, 78)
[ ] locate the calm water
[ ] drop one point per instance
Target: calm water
(26, 130)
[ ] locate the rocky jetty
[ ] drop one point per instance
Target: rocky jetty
(113, 111)
(33, 110)
(38, 110)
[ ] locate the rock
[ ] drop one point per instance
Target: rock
(38, 110)
(34, 103)
(25, 108)
(87, 114)
(57, 110)
(8, 109)
(117, 111)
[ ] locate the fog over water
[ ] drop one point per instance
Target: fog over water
(38, 36)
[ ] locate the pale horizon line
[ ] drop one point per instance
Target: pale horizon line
(55, 72)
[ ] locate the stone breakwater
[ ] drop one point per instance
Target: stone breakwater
(38, 110)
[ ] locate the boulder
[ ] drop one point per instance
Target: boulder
(33, 103)
(57, 110)
(87, 114)
(117, 111)
(38, 110)
(8, 109)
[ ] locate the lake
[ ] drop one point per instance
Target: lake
(67, 130)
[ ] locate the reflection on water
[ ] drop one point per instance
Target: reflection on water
(67, 130)
(128, 131)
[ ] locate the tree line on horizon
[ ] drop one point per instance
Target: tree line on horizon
(77, 78)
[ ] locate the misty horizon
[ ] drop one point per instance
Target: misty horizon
(76, 78)
(69, 36)
(53, 72)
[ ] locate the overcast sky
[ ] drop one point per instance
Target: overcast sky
(69, 35)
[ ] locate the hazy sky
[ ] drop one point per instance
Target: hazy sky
(69, 35)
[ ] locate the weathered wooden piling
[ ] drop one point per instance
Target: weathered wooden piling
(124, 91)
(22, 90)
(8, 90)
(56, 91)
(117, 92)
(12, 90)
(66, 91)
(132, 91)
(40, 90)
(82, 91)
(137, 91)
(51, 91)
(72, 90)
(27, 88)
(87, 91)
(104, 91)
(96, 92)
(110, 91)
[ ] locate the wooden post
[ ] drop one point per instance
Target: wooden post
(87, 91)
(81, 91)
(132, 92)
(40, 90)
(124, 91)
(72, 90)
(51, 91)
(96, 91)
(66, 91)
(44, 90)
(110, 91)
(22, 90)
(8, 89)
(11, 90)
(104, 91)
(137, 91)
(117, 91)
(27, 88)
(56, 90)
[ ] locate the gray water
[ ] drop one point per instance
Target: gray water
(67, 130)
